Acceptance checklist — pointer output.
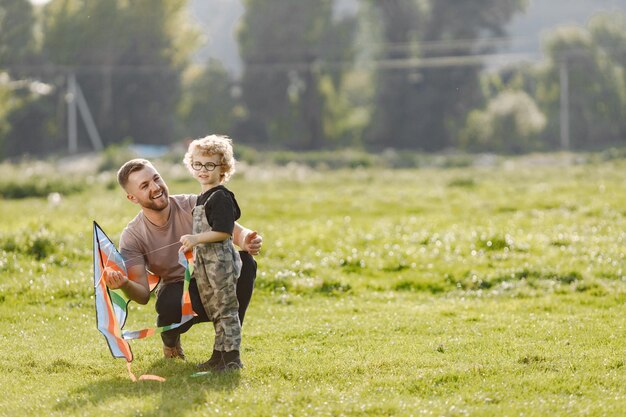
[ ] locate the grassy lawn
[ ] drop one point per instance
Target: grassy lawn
(447, 292)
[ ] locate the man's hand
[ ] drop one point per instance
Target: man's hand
(188, 242)
(114, 279)
(253, 243)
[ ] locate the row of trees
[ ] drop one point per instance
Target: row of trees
(128, 59)
(312, 79)
(525, 104)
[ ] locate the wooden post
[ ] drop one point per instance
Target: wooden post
(564, 117)
(72, 135)
(76, 100)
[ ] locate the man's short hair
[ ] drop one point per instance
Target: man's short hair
(129, 167)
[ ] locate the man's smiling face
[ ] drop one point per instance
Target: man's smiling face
(146, 188)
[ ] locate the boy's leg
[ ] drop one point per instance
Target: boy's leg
(201, 293)
(245, 287)
(225, 306)
(202, 272)
(212, 276)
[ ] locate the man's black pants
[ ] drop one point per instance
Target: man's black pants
(168, 305)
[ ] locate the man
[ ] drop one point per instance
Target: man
(150, 242)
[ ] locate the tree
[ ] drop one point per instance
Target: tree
(29, 120)
(127, 57)
(394, 100)
(593, 60)
(16, 33)
(424, 106)
(209, 103)
(23, 104)
(590, 62)
(288, 49)
(511, 123)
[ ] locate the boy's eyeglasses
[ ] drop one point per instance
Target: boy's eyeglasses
(209, 166)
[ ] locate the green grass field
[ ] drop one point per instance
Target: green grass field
(493, 291)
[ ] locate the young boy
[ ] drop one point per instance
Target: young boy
(217, 264)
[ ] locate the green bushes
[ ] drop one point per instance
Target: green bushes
(115, 155)
(30, 178)
(40, 187)
(511, 123)
(36, 244)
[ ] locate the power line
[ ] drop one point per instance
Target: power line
(400, 63)
(316, 64)
(53, 69)
(458, 44)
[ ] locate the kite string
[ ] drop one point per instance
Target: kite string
(135, 257)
(152, 251)
(147, 253)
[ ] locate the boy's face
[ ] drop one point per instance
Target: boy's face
(146, 188)
(207, 170)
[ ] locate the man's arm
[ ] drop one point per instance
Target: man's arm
(247, 239)
(135, 286)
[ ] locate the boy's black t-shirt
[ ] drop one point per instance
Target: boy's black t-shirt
(222, 210)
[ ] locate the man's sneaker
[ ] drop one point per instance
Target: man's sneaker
(214, 360)
(174, 352)
(231, 361)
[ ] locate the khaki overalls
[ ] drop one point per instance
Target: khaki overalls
(217, 268)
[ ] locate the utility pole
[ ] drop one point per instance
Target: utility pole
(75, 98)
(564, 116)
(70, 97)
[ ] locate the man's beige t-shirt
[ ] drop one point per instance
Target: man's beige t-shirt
(155, 247)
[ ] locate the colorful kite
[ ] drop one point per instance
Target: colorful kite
(112, 305)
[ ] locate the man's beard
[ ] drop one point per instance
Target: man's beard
(159, 205)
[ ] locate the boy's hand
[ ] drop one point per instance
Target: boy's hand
(253, 243)
(188, 242)
(114, 279)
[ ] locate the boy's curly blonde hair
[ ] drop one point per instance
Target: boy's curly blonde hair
(213, 145)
